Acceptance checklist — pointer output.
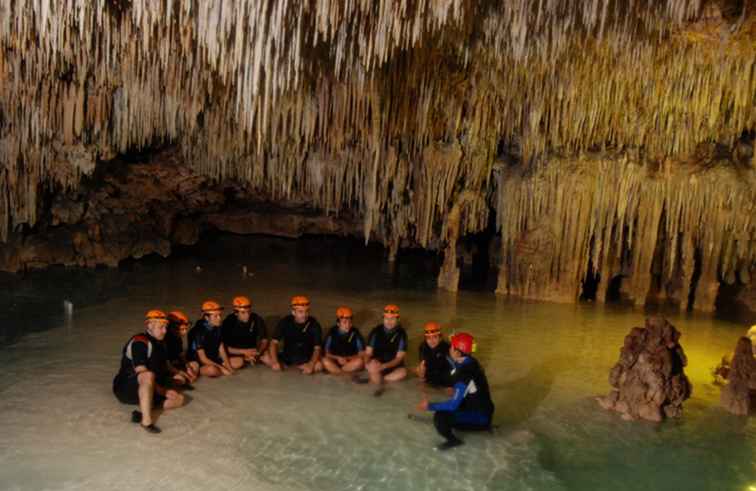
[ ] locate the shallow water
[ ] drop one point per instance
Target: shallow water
(61, 428)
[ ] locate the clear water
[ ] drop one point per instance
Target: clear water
(61, 428)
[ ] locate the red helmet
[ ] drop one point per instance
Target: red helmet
(463, 342)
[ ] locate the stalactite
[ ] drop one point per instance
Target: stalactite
(607, 212)
(345, 105)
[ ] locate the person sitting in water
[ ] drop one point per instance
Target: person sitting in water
(244, 332)
(344, 347)
(386, 349)
(184, 372)
(301, 336)
(471, 407)
(141, 378)
(435, 365)
(206, 344)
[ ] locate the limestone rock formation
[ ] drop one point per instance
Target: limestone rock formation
(739, 395)
(649, 381)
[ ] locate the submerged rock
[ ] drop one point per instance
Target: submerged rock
(649, 381)
(739, 395)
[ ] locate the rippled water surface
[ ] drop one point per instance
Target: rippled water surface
(61, 428)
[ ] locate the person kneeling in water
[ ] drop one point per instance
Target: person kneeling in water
(301, 336)
(344, 346)
(244, 332)
(184, 372)
(206, 344)
(435, 364)
(471, 407)
(141, 379)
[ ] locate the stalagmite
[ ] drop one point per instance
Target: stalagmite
(739, 395)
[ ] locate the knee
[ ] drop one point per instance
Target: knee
(146, 378)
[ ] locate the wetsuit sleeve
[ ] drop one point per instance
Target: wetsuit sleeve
(278, 335)
(402, 342)
(359, 342)
(139, 352)
(317, 334)
(453, 403)
(199, 339)
(327, 344)
(263, 328)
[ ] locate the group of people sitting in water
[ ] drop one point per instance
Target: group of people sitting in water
(157, 365)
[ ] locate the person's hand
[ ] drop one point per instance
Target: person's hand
(226, 370)
(342, 360)
(423, 405)
(450, 391)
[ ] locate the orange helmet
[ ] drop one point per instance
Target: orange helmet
(391, 311)
(155, 315)
(432, 328)
(300, 301)
(178, 318)
(211, 306)
(343, 312)
(242, 302)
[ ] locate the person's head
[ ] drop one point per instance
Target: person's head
(178, 322)
(156, 322)
(211, 312)
(242, 308)
(432, 332)
(462, 345)
(344, 318)
(390, 316)
(300, 308)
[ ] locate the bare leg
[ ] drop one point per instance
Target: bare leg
(318, 367)
(173, 399)
(146, 391)
(192, 368)
(267, 359)
(210, 371)
(354, 365)
(236, 362)
(374, 372)
(331, 366)
(396, 375)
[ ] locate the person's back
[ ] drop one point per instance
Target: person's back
(477, 394)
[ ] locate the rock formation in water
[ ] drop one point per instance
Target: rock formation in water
(617, 135)
(649, 380)
(739, 395)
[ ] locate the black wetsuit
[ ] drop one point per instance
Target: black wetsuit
(141, 349)
(206, 337)
(438, 365)
(344, 344)
(174, 349)
(471, 407)
(243, 335)
(299, 340)
(387, 343)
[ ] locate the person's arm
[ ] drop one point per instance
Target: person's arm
(370, 347)
(327, 348)
(451, 404)
(205, 361)
(262, 338)
(139, 359)
(277, 336)
(224, 357)
(400, 354)
(317, 340)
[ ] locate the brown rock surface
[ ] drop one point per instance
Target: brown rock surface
(739, 395)
(649, 381)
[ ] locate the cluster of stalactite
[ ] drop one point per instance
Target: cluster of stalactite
(667, 233)
(394, 109)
